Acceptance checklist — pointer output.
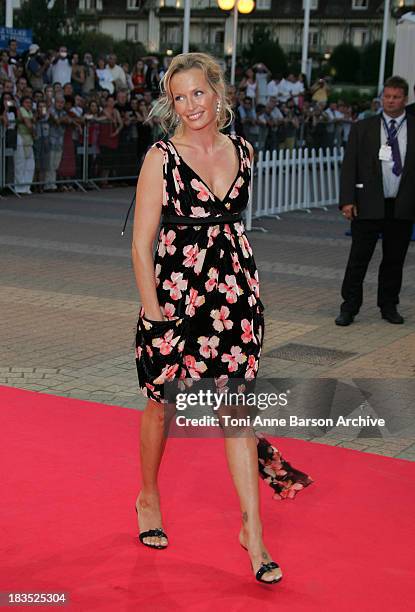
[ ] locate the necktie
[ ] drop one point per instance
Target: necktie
(394, 143)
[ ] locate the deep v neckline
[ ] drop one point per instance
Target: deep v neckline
(204, 182)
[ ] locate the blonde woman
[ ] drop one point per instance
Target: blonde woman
(200, 315)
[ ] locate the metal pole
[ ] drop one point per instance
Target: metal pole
(186, 26)
(384, 45)
(234, 43)
(306, 30)
(9, 14)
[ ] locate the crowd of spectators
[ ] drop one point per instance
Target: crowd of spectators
(282, 112)
(49, 103)
(56, 106)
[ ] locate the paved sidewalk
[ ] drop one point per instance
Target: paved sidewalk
(69, 304)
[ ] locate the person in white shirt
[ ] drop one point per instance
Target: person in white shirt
(273, 85)
(297, 89)
(61, 67)
(285, 89)
(118, 75)
(334, 125)
(104, 76)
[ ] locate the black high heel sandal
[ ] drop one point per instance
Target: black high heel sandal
(158, 533)
(265, 567)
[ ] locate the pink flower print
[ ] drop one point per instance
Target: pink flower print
(228, 233)
(235, 262)
(138, 351)
(208, 346)
(235, 191)
(193, 257)
(157, 271)
(252, 367)
(167, 373)
(245, 246)
(234, 358)
(213, 231)
(213, 275)
(193, 301)
(165, 193)
(177, 208)
(199, 211)
(220, 319)
(178, 183)
(168, 310)
(167, 343)
(195, 368)
(231, 288)
(254, 283)
(149, 350)
(175, 285)
(203, 192)
(166, 243)
(220, 383)
(252, 300)
(247, 329)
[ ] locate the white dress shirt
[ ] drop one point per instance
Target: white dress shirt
(390, 180)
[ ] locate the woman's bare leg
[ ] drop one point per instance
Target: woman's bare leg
(242, 457)
(152, 443)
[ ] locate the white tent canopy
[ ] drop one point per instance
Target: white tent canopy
(403, 61)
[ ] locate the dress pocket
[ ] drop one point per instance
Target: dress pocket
(159, 348)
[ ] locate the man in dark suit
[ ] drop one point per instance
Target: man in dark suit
(377, 193)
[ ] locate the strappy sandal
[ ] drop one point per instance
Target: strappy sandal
(158, 533)
(265, 567)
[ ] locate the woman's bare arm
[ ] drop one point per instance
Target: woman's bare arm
(149, 199)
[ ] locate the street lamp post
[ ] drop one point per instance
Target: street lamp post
(186, 26)
(306, 30)
(384, 45)
(9, 14)
(238, 6)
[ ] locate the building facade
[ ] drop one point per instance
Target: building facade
(158, 24)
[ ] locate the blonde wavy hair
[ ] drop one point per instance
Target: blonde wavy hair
(163, 108)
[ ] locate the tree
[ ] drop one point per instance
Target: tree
(48, 24)
(371, 62)
(345, 60)
(266, 50)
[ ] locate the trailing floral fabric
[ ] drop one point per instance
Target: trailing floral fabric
(207, 286)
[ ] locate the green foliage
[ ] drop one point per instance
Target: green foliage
(345, 60)
(48, 25)
(265, 50)
(352, 96)
(371, 62)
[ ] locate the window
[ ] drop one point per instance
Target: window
(90, 5)
(313, 37)
(132, 32)
(313, 5)
(263, 5)
(360, 5)
(359, 37)
(133, 5)
(173, 34)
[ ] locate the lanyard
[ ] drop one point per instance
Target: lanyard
(387, 129)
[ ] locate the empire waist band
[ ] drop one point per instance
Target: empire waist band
(178, 220)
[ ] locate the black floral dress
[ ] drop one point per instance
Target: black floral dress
(208, 289)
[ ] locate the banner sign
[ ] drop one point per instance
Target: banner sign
(23, 37)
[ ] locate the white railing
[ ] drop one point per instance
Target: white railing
(284, 181)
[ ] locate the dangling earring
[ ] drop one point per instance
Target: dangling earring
(218, 107)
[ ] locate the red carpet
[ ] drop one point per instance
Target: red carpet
(69, 484)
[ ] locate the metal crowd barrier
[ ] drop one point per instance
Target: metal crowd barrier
(301, 179)
(87, 160)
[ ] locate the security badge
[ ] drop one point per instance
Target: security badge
(385, 153)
